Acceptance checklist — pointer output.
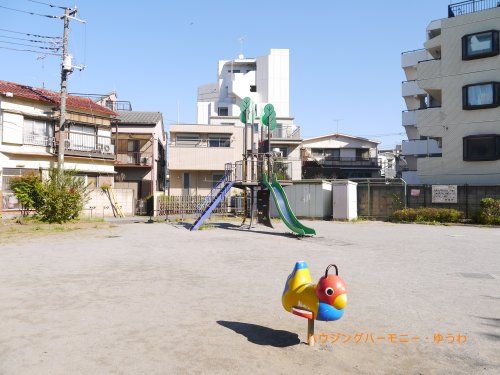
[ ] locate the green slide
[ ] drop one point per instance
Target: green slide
(284, 209)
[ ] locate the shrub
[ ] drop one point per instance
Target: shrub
(489, 211)
(428, 214)
(58, 199)
(28, 191)
(64, 196)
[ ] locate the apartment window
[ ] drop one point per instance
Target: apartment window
(481, 147)
(253, 88)
(283, 151)
(37, 132)
(219, 141)
(187, 140)
(222, 111)
(330, 153)
(236, 71)
(362, 153)
(482, 95)
(82, 137)
(480, 45)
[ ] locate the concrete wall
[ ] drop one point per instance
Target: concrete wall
(200, 182)
(99, 204)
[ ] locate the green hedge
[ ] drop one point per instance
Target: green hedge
(489, 211)
(428, 215)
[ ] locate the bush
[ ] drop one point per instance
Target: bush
(428, 215)
(489, 211)
(28, 191)
(57, 200)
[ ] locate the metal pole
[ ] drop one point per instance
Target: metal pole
(64, 90)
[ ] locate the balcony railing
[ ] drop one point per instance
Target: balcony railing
(422, 147)
(471, 6)
(144, 159)
(119, 105)
(214, 142)
(86, 144)
(38, 140)
(333, 161)
(286, 132)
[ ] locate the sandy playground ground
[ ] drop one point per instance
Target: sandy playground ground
(157, 299)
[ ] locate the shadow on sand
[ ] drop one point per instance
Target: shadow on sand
(262, 335)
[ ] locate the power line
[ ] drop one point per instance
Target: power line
(31, 13)
(31, 45)
(28, 40)
(33, 35)
(29, 50)
(48, 4)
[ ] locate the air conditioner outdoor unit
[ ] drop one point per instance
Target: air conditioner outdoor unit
(67, 143)
(144, 160)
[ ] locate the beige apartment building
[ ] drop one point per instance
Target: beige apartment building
(452, 94)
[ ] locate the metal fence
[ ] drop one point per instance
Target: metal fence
(471, 6)
(379, 200)
(185, 205)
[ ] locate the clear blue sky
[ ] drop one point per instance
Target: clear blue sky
(345, 55)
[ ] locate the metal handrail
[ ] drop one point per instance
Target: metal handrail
(213, 192)
(134, 158)
(471, 6)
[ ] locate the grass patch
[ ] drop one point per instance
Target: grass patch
(27, 227)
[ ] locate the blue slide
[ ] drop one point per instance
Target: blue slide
(215, 202)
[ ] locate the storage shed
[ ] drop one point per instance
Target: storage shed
(310, 199)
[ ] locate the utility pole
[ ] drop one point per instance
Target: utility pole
(66, 69)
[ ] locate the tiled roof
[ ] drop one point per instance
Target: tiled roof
(136, 117)
(52, 97)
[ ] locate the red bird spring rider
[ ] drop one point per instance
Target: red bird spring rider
(324, 301)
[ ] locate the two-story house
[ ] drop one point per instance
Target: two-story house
(140, 144)
(29, 137)
(198, 154)
(339, 156)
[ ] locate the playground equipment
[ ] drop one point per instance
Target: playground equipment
(324, 301)
(251, 176)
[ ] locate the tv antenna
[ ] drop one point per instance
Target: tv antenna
(337, 120)
(241, 41)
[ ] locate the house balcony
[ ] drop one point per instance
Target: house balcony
(411, 89)
(38, 140)
(286, 132)
(199, 156)
(412, 58)
(471, 6)
(409, 118)
(134, 159)
(89, 145)
(349, 162)
(428, 118)
(419, 147)
(428, 70)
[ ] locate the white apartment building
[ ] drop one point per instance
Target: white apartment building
(198, 152)
(452, 94)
